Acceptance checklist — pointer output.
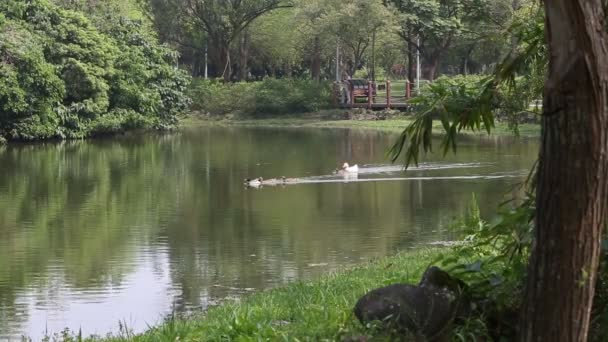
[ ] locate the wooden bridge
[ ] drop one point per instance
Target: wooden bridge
(372, 95)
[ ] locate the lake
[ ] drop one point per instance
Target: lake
(134, 228)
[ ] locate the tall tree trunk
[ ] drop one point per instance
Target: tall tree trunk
(410, 58)
(316, 60)
(288, 70)
(244, 55)
(356, 62)
(217, 58)
(572, 176)
(226, 64)
(465, 60)
(431, 70)
(373, 56)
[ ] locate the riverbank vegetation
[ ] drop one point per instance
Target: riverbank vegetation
(70, 75)
(268, 97)
(104, 67)
(352, 119)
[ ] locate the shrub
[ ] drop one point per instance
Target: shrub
(493, 261)
(267, 97)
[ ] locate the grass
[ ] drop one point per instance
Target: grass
(317, 310)
(331, 119)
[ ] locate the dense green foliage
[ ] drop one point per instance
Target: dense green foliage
(63, 77)
(301, 37)
(270, 96)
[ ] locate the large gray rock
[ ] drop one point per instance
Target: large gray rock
(426, 310)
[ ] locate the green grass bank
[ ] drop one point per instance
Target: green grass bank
(315, 310)
(333, 118)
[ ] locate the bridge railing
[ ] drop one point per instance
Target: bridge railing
(375, 95)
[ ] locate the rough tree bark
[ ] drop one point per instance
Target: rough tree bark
(572, 177)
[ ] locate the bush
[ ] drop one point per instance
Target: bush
(64, 77)
(493, 261)
(267, 97)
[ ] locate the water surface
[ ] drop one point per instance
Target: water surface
(132, 229)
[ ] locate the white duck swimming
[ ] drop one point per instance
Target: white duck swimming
(256, 182)
(271, 181)
(347, 168)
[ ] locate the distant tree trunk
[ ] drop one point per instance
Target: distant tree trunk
(219, 52)
(316, 60)
(358, 52)
(356, 62)
(432, 67)
(572, 176)
(226, 66)
(515, 4)
(433, 57)
(288, 70)
(373, 71)
(244, 55)
(411, 61)
(195, 68)
(465, 59)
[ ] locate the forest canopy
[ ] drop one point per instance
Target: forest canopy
(67, 75)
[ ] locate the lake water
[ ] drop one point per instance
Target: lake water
(134, 228)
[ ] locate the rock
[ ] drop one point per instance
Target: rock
(427, 310)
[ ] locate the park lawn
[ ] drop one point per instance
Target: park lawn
(326, 119)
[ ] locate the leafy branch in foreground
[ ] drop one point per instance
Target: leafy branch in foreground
(461, 102)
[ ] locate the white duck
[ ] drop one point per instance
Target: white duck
(347, 168)
(271, 181)
(256, 182)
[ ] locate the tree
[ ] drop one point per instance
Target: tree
(224, 20)
(276, 42)
(572, 176)
(316, 37)
(432, 27)
(173, 28)
(356, 23)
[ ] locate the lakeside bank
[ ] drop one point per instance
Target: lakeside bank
(314, 310)
(338, 118)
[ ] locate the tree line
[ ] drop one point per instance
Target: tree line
(240, 40)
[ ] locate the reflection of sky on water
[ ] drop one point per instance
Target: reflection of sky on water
(55, 305)
(131, 229)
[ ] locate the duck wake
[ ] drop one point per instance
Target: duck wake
(388, 173)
